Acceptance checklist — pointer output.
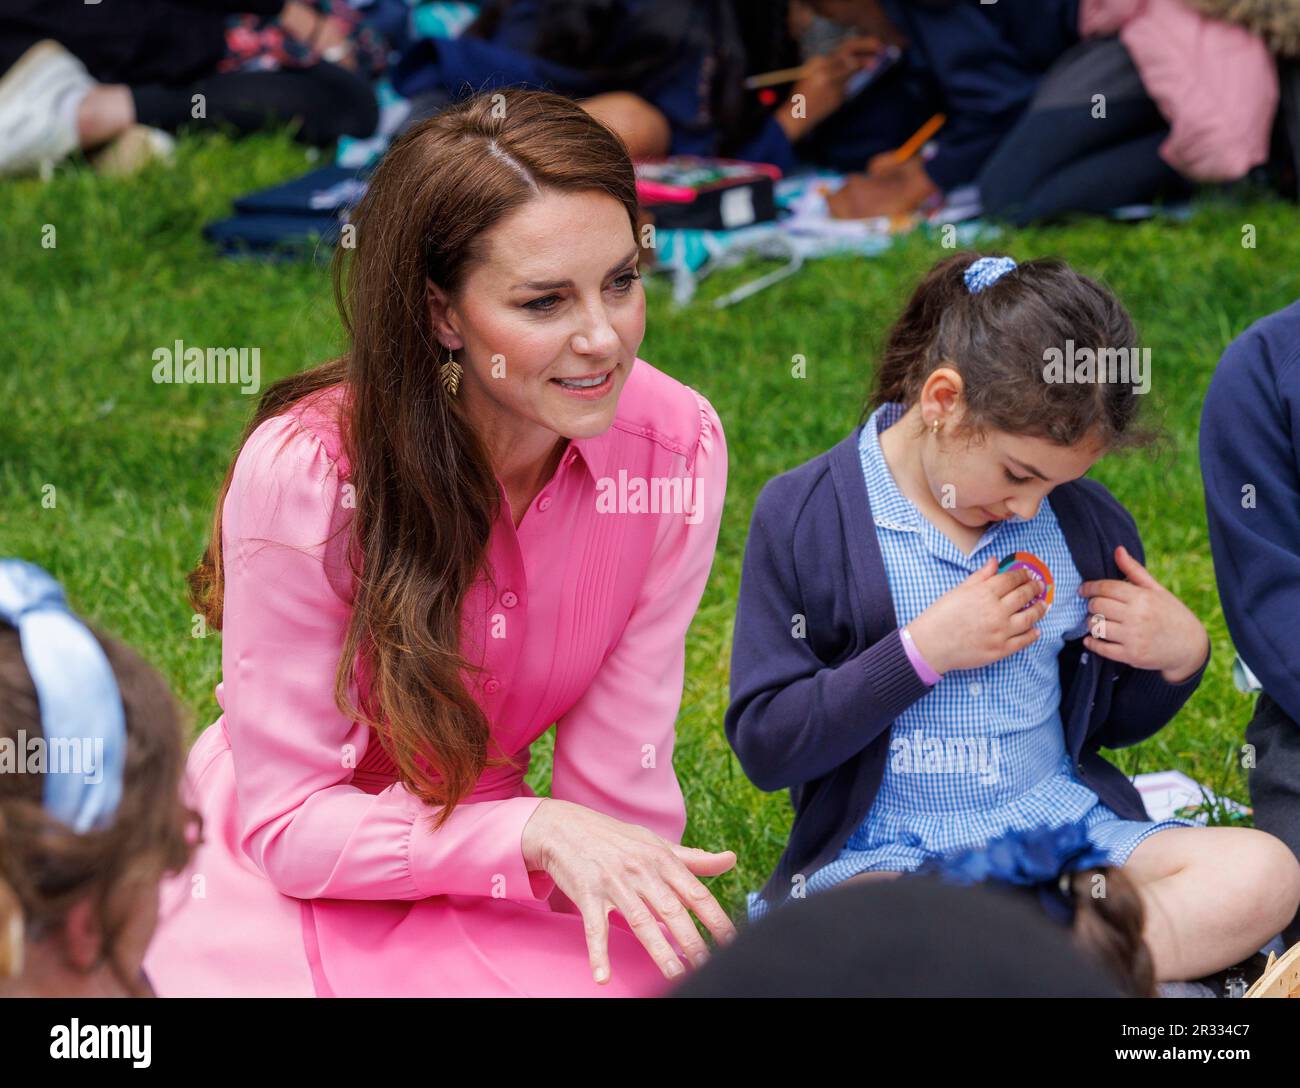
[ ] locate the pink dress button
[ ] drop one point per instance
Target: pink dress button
(545, 504)
(492, 686)
(509, 599)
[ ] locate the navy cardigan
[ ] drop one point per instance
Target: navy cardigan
(1250, 436)
(813, 714)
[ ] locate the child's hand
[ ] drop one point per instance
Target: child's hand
(980, 621)
(895, 189)
(1142, 624)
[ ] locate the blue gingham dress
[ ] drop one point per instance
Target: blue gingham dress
(983, 751)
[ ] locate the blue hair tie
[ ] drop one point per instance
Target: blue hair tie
(985, 272)
(1041, 859)
(80, 705)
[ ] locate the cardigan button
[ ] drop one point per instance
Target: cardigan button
(544, 504)
(509, 599)
(492, 686)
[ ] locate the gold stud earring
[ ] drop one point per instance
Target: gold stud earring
(450, 373)
(935, 425)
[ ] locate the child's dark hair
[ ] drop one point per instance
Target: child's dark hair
(997, 339)
(46, 867)
(1110, 927)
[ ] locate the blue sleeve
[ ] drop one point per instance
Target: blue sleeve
(771, 145)
(984, 81)
(1251, 468)
(793, 717)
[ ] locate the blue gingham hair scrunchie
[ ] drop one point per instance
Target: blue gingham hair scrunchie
(985, 272)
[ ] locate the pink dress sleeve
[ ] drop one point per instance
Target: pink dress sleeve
(614, 747)
(301, 822)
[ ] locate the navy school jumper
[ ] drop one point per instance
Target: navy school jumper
(813, 714)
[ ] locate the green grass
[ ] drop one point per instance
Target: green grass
(135, 465)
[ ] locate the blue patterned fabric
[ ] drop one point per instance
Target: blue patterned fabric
(983, 752)
(986, 271)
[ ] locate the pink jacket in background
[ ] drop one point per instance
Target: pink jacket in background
(1215, 83)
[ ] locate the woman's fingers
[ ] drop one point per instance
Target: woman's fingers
(595, 924)
(666, 901)
(698, 897)
(645, 926)
(705, 862)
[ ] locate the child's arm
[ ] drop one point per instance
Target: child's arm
(794, 717)
(1250, 461)
(984, 83)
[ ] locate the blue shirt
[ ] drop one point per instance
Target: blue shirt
(1010, 710)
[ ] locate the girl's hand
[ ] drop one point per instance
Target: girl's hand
(1140, 623)
(603, 864)
(979, 621)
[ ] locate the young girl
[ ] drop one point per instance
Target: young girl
(929, 651)
(87, 832)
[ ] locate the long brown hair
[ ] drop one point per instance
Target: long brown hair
(996, 339)
(426, 494)
(46, 867)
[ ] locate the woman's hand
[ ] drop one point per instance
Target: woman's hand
(603, 864)
(979, 621)
(1140, 623)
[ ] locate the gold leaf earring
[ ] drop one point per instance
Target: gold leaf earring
(450, 373)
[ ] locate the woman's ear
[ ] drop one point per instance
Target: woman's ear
(441, 318)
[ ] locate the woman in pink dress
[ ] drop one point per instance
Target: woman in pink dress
(488, 517)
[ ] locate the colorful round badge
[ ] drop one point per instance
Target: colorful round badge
(1030, 562)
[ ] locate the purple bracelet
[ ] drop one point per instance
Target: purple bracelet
(922, 667)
